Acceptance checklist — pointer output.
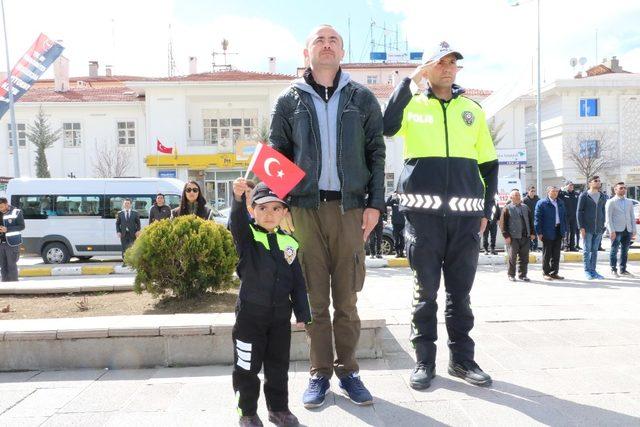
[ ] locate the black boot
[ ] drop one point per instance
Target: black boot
(469, 371)
(422, 375)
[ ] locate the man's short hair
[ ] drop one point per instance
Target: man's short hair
(593, 178)
(126, 199)
(315, 30)
(551, 187)
(515, 189)
(160, 194)
(531, 187)
(3, 200)
(618, 184)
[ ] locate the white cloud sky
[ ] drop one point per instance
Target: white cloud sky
(132, 36)
(499, 41)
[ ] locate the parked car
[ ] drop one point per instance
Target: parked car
(387, 246)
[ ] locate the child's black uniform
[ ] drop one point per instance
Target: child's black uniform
(271, 285)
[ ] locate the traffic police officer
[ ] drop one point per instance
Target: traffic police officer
(447, 190)
(11, 226)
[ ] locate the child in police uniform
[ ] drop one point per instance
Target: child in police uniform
(272, 285)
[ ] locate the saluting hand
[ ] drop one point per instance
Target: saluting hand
(420, 72)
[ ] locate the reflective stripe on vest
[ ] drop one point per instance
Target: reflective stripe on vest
(426, 201)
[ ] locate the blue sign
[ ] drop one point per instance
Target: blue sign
(589, 107)
(167, 173)
(378, 56)
(415, 56)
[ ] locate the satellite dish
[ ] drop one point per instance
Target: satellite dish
(583, 60)
(573, 62)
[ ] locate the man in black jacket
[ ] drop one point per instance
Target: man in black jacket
(397, 221)
(492, 229)
(531, 199)
(331, 127)
(570, 199)
(11, 226)
(127, 226)
(159, 210)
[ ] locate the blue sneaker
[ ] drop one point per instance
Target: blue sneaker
(352, 387)
(313, 396)
(598, 275)
(589, 275)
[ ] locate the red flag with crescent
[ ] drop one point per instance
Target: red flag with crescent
(162, 149)
(274, 169)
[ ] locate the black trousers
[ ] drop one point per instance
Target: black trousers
(551, 253)
(435, 246)
(572, 237)
(375, 240)
(492, 228)
(518, 252)
(126, 241)
(261, 336)
(9, 256)
(398, 238)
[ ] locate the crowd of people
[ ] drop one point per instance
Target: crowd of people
(565, 217)
(304, 254)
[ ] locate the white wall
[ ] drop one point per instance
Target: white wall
(98, 122)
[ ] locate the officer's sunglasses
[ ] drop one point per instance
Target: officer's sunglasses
(191, 190)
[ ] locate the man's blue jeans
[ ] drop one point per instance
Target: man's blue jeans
(622, 240)
(590, 255)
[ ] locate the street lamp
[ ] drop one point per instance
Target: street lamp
(14, 129)
(538, 102)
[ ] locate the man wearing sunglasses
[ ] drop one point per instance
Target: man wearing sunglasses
(591, 218)
(446, 190)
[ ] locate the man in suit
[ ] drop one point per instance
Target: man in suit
(127, 226)
(550, 223)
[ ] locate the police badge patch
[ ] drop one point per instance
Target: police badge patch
(289, 254)
(468, 117)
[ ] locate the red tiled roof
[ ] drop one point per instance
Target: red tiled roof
(384, 91)
(86, 94)
(99, 81)
(224, 76)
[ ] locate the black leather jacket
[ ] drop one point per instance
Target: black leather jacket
(361, 149)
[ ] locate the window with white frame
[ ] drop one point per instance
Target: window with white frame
(22, 135)
(372, 80)
(226, 127)
(126, 133)
(71, 134)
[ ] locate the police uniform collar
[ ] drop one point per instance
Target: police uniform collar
(264, 230)
(455, 91)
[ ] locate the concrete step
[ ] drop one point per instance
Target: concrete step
(128, 342)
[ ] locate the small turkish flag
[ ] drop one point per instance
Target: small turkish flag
(279, 173)
(161, 148)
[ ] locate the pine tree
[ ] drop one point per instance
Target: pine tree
(41, 135)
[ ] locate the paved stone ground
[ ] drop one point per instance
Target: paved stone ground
(561, 353)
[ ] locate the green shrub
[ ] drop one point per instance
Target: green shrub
(187, 256)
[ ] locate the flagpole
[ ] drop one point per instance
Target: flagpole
(253, 159)
(157, 159)
(14, 130)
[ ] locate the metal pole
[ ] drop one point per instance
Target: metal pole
(538, 116)
(14, 130)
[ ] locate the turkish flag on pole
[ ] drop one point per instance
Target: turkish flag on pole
(162, 149)
(279, 173)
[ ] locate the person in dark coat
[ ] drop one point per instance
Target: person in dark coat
(531, 200)
(192, 203)
(550, 223)
(491, 229)
(397, 222)
(570, 199)
(11, 226)
(159, 210)
(127, 226)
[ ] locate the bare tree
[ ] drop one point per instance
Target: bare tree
(494, 130)
(111, 162)
(593, 152)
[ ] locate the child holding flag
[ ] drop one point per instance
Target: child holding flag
(272, 285)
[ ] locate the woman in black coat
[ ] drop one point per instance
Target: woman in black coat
(192, 202)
